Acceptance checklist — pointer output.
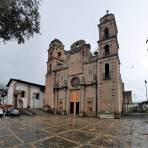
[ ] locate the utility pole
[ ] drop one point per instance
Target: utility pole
(146, 89)
(145, 80)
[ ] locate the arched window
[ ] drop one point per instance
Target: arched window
(75, 82)
(106, 33)
(107, 74)
(106, 50)
(59, 54)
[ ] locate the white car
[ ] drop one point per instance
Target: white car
(1, 112)
(14, 112)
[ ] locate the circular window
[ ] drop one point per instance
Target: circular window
(75, 82)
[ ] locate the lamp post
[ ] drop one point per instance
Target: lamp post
(145, 80)
(146, 89)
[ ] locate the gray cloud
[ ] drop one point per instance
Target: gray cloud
(73, 20)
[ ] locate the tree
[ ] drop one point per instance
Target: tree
(19, 19)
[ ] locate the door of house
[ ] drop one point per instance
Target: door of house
(74, 101)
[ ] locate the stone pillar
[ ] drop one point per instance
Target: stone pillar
(95, 101)
(54, 104)
(56, 99)
(65, 100)
(82, 96)
(68, 102)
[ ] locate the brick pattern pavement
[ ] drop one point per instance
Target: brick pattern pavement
(53, 131)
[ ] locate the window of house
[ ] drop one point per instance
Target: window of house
(107, 52)
(107, 74)
(106, 33)
(37, 96)
(23, 94)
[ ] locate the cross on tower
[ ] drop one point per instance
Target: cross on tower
(107, 11)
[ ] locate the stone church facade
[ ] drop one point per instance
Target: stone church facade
(81, 83)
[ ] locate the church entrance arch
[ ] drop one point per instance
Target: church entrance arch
(74, 102)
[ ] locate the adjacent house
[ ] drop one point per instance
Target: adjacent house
(127, 101)
(127, 97)
(22, 94)
(3, 95)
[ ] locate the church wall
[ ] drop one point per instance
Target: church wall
(61, 76)
(90, 100)
(75, 64)
(90, 89)
(90, 71)
(61, 100)
(109, 89)
(119, 91)
(49, 93)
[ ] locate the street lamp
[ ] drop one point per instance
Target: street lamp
(145, 80)
(0, 96)
(146, 89)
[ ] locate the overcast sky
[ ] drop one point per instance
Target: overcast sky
(71, 20)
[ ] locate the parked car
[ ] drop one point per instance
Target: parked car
(1, 112)
(12, 112)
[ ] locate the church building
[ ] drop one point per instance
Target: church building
(81, 83)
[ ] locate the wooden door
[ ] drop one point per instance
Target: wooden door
(74, 101)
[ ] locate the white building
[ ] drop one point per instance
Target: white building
(24, 94)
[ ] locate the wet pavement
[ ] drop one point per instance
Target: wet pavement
(54, 131)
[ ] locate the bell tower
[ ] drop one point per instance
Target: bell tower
(109, 78)
(56, 58)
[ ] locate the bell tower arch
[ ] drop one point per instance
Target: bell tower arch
(109, 79)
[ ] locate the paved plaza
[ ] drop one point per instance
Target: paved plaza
(55, 131)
